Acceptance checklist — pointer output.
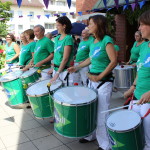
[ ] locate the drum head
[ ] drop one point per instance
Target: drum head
(40, 88)
(125, 67)
(123, 120)
(11, 76)
(74, 95)
(29, 72)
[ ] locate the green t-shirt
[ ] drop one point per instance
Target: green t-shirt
(83, 50)
(116, 48)
(98, 55)
(59, 50)
(26, 53)
(44, 47)
(135, 52)
(143, 71)
(10, 53)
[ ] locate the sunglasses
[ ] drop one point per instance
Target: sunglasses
(8, 37)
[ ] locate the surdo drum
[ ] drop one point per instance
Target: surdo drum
(75, 111)
(40, 99)
(125, 130)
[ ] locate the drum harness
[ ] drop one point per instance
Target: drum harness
(67, 75)
(108, 78)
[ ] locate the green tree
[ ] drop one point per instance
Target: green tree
(4, 13)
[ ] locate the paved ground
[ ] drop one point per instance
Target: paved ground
(20, 130)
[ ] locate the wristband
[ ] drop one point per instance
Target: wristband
(134, 85)
(57, 72)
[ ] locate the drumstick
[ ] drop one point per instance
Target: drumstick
(117, 108)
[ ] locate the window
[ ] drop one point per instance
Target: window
(31, 26)
(31, 13)
(20, 27)
(49, 26)
(12, 27)
(60, 3)
(51, 2)
(19, 13)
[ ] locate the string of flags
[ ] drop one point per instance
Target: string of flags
(124, 7)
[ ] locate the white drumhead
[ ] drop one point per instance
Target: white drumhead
(74, 95)
(46, 70)
(4, 69)
(11, 76)
(40, 88)
(125, 67)
(28, 72)
(123, 120)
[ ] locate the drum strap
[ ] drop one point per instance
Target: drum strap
(148, 112)
(67, 78)
(109, 80)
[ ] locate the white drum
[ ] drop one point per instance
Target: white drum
(45, 75)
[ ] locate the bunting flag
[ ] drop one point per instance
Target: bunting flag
(19, 2)
(69, 3)
(80, 13)
(47, 16)
(105, 3)
(46, 2)
(29, 15)
(20, 16)
(125, 7)
(71, 13)
(127, 2)
(2, 19)
(109, 9)
(117, 3)
(38, 16)
(55, 14)
(63, 14)
(136, 1)
(133, 6)
(142, 3)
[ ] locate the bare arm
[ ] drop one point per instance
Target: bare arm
(49, 58)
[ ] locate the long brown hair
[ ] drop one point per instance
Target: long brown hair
(102, 26)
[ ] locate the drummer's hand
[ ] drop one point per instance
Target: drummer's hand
(8, 60)
(39, 64)
(129, 92)
(25, 69)
(145, 98)
(134, 65)
(93, 77)
(72, 69)
(54, 78)
(50, 71)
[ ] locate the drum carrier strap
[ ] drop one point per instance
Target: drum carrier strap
(67, 75)
(108, 78)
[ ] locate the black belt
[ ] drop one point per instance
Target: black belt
(108, 78)
(56, 66)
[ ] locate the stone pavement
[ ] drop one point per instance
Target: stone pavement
(20, 130)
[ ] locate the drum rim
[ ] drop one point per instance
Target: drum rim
(22, 77)
(123, 131)
(9, 80)
(81, 104)
(73, 105)
(44, 94)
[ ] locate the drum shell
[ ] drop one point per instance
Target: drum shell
(15, 92)
(30, 79)
(124, 78)
(75, 120)
(126, 140)
(42, 106)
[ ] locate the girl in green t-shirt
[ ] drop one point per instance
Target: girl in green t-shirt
(63, 51)
(135, 51)
(12, 49)
(141, 86)
(102, 60)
